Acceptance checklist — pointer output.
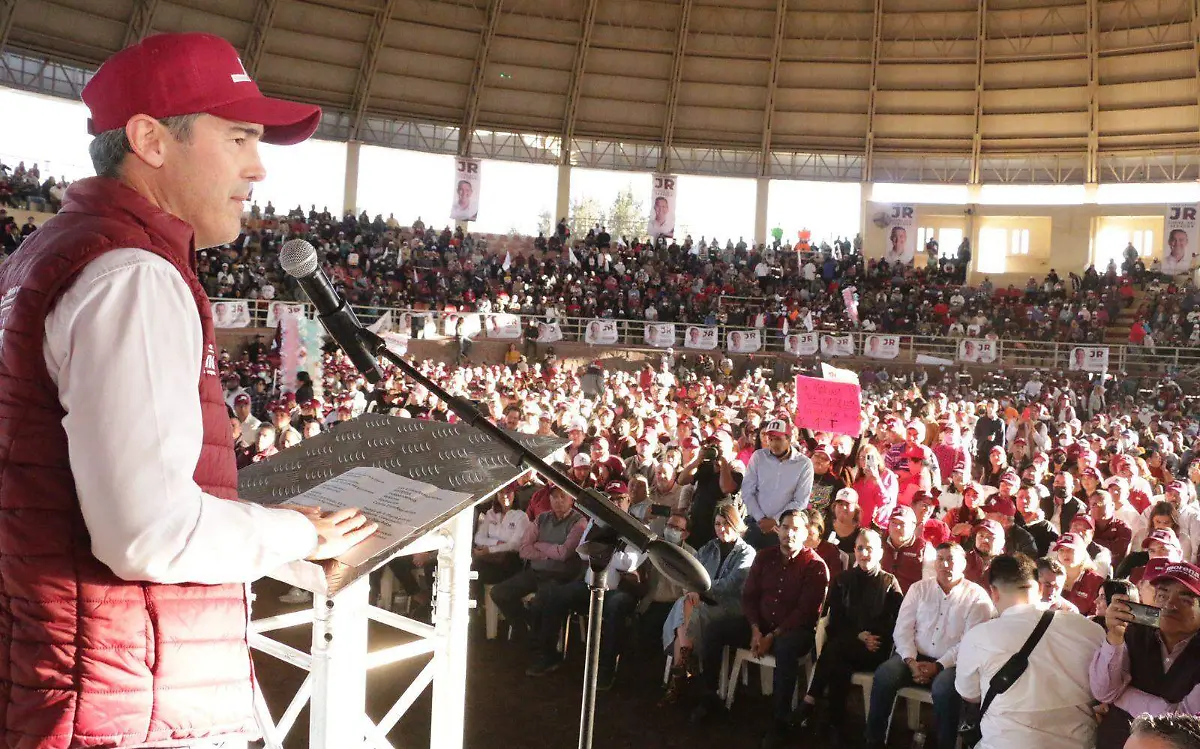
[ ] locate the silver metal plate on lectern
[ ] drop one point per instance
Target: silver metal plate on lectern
(456, 457)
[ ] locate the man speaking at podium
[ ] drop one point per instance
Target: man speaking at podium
(124, 552)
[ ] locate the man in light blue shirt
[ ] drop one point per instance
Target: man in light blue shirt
(778, 478)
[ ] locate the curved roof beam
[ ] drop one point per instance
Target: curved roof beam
(664, 158)
(1093, 52)
(876, 34)
(581, 52)
(368, 66)
(8, 11)
(769, 110)
(140, 22)
(471, 112)
(980, 51)
(264, 18)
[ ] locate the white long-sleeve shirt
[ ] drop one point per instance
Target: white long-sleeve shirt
(124, 346)
(499, 532)
(1048, 707)
(932, 623)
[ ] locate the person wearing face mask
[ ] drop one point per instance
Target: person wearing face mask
(863, 603)
(1062, 507)
(1150, 670)
(663, 592)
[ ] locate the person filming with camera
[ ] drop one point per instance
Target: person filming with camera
(1149, 662)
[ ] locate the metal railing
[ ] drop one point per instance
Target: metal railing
(1014, 354)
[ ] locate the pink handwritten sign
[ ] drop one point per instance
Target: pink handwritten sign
(828, 406)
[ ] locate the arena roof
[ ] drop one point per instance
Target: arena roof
(955, 91)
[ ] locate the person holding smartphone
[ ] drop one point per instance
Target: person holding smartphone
(1145, 669)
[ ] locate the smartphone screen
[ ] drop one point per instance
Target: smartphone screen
(1143, 614)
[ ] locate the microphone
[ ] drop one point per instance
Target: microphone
(299, 260)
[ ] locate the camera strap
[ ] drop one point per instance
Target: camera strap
(1012, 670)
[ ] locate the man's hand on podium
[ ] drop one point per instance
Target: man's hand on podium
(337, 532)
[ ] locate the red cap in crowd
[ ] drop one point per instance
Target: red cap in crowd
(1000, 505)
(241, 398)
(1010, 478)
(1068, 539)
(617, 487)
(1164, 536)
(1083, 520)
(991, 525)
(167, 75)
(1181, 572)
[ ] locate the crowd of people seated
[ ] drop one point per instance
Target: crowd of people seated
(920, 554)
(381, 263)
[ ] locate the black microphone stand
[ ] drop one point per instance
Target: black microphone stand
(681, 567)
(611, 523)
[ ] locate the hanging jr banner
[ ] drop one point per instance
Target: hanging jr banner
(704, 339)
(1088, 359)
(744, 341)
(549, 332)
(837, 345)
(505, 326)
(881, 346)
(600, 332)
(800, 344)
(977, 350)
(659, 334)
(466, 189)
(901, 245)
(1180, 231)
(662, 206)
(231, 314)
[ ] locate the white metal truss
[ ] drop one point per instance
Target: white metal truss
(1168, 165)
(1034, 168)
(947, 169)
(42, 75)
(781, 10)
(336, 686)
(534, 149)
(823, 167)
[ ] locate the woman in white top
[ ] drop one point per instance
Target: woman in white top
(498, 538)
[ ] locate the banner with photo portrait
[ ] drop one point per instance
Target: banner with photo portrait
(900, 245)
(662, 206)
(743, 341)
(465, 205)
(276, 311)
(231, 314)
(837, 345)
(659, 334)
(600, 332)
(703, 339)
(881, 346)
(977, 350)
(549, 332)
(504, 326)
(1179, 250)
(1088, 359)
(800, 344)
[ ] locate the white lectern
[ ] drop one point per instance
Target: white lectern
(448, 456)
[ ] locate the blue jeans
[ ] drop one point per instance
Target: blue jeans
(893, 676)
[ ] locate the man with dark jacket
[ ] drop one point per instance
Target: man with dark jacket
(1061, 507)
(989, 433)
(863, 604)
(781, 603)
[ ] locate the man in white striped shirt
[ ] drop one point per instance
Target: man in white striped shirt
(932, 621)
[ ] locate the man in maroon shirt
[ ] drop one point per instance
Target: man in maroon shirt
(781, 602)
(1111, 532)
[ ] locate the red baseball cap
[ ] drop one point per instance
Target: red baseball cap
(1181, 572)
(1000, 505)
(167, 75)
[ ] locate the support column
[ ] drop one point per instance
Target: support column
(562, 203)
(350, 201)
(760, 210)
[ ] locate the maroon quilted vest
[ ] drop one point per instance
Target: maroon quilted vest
(88, 659)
